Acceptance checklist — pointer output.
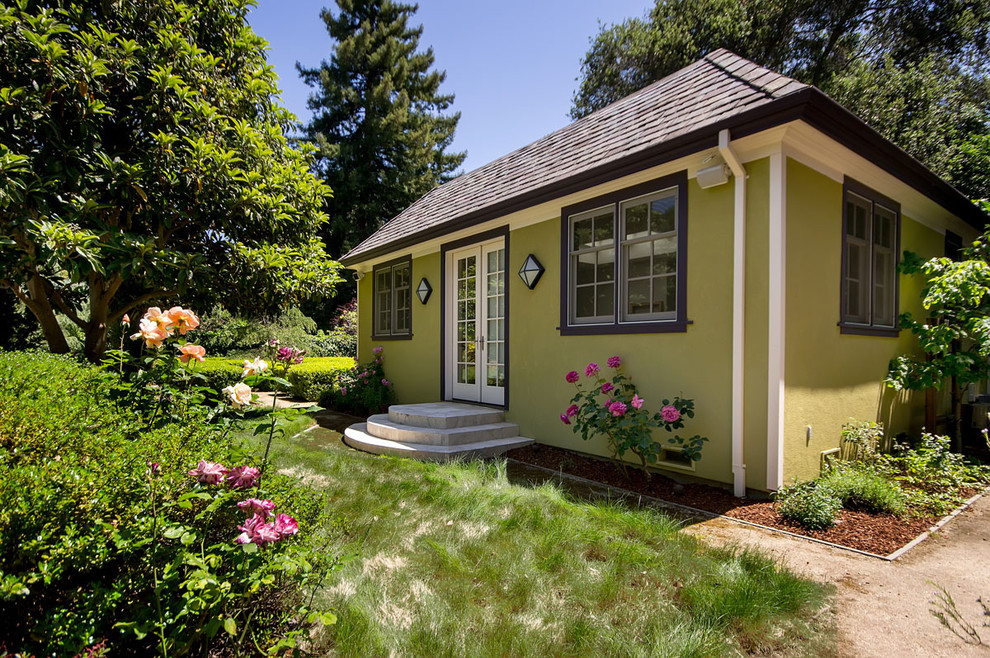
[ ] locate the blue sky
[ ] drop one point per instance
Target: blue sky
(512, 65)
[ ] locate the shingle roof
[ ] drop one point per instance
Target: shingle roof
(712, 91)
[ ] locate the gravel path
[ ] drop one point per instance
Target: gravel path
(883, 608)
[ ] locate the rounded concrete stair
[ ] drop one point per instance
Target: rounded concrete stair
(436, 431)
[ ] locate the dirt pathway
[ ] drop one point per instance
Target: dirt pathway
(883, 608)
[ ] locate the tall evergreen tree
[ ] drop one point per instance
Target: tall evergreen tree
(916, 71)
(378, 118)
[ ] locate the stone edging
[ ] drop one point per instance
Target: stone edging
(659, 502)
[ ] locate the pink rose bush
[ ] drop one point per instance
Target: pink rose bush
(610, 406)
(364, 389)
(262, 525)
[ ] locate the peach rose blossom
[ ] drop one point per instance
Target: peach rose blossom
(164, 322)
(183, 319)
(239, 395)
(189, 352)
(151, 333)
(255, 367)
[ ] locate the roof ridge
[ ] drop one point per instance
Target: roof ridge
(717, 59)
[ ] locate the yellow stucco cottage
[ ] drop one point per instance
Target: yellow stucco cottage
(731, 233)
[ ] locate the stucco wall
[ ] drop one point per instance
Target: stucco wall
(831, 377)
(695, 364)
(412, 365)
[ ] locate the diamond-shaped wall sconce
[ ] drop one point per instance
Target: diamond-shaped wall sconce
(531, 271)
(424, 290)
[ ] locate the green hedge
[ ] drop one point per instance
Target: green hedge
(309, 379)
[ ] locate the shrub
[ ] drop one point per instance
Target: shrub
(224, 334)
(933, 477)
(335, 342)
(861, 489)
(313, 376)
(108, 540)
(341, 340)
(861, 441)
(809, 504)
(363, 390)
(612, 408)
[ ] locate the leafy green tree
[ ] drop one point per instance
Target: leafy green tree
(916, 71)
(955, 335)
(378, 118)
(143, 158)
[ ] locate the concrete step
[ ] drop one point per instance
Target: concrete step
(357, 436)
(383, 427)
(444, 415)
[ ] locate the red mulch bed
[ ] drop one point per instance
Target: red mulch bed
(878, 534)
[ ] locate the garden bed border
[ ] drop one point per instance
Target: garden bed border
(693, 511)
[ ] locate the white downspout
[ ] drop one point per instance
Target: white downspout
(738, 312)
(776, 324)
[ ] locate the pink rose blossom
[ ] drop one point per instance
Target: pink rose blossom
(190, 352)
(256, 531)
(126, 319)
(670, 414)
(606, 387)
(208, 472)
(343, 391)
(617, 408)
(614, 362)
(285, 526)
(637, 401)
(572, 377)
(564, 419)
(378, 350)
(256, 507)
(265, 533)
(243, 477)
(591, 370)
(386, 382)
(572, 411)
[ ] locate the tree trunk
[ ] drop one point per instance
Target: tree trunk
(96, 331)
(41, 307)
(956, 416)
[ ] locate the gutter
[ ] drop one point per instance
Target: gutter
(738, 312)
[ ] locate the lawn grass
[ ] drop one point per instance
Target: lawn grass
(454, 560)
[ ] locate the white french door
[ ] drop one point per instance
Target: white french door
(474, 356)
